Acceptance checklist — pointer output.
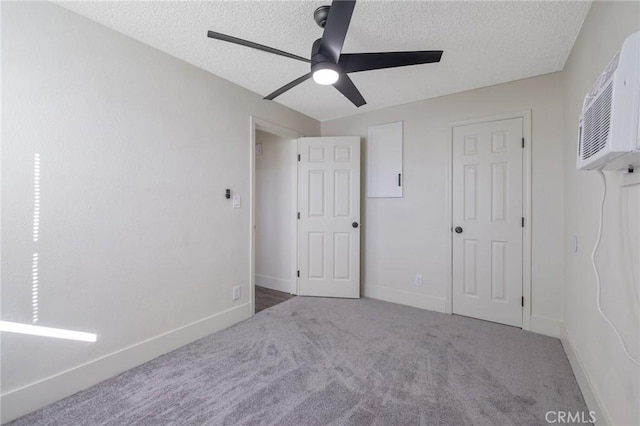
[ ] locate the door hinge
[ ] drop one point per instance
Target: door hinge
(523, 301)
(523, 142)
(298, 157)
(299, 277)
(523, 222)
(298, 215)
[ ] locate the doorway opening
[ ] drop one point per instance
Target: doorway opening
(274, 204)
(275, 216)
(305, 213)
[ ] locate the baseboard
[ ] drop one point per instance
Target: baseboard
(36, 395)
(589, 392)
(417, 300)
(274, 283)
(546, 326)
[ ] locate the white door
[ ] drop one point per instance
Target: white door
(488, 221)
(328, 229)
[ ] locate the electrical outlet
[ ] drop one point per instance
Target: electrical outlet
(236, 292)
(418, 280)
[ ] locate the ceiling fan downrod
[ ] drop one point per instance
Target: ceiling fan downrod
(320, 15)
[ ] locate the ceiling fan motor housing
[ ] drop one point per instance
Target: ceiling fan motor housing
(320, 61)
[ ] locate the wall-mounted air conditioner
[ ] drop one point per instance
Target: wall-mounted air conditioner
(609, 128)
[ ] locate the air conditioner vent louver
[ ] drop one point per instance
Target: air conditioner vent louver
(609, 124)
(597, 121)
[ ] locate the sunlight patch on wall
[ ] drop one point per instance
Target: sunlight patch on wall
(34, 288)
(36, 330)
(36, 197)
(32, 329)
(36, 235)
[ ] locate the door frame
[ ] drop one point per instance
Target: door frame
(257, 123)
(526, 207)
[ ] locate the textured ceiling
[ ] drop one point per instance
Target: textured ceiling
(484, 43)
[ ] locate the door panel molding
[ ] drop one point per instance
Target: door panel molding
(526, 201)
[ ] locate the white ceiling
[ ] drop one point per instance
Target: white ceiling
(484, 43)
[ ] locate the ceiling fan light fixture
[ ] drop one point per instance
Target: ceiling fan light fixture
(325, 76)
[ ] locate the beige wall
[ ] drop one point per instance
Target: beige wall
(410, 235)
(614, 378)
(136, 237)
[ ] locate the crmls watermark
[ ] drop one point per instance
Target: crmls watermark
(570, 417)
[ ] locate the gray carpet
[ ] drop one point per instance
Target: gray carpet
(313, 361)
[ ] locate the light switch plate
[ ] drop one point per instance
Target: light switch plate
(418, 280)
(236, 201)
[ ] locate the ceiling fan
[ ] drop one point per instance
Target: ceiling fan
(328, 64)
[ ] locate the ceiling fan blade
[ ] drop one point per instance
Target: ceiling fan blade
(335, 30)
(235, 40)
(349, 90)
(354, 62)
(287, 86)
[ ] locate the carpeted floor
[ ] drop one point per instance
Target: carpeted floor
(313, 361)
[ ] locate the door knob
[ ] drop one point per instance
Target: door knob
(354, 224)
(458, 230)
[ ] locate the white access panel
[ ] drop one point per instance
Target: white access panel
(384, 161)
